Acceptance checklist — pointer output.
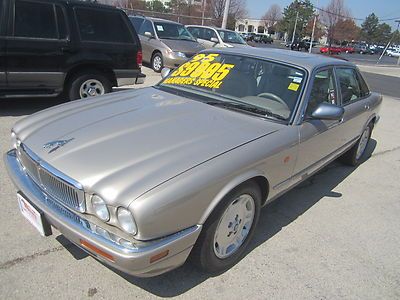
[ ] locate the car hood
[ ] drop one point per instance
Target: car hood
(129, 142)
(183, 46)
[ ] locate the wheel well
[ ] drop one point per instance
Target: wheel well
(262, 182)
(154, 52)
(108, 72)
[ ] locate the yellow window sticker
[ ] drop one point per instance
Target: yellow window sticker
(293, 87)
(201, 70)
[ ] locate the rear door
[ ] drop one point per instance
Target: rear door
(37, 37)
(3, 13)
(149, 44)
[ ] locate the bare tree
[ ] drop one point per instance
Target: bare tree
(332, 14)
(237, 10)
(272, 16)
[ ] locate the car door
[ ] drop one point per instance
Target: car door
(37, 38)
(355, 99)
(319, 139)
(3, 14)
(149, 44)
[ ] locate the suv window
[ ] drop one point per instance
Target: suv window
(208, 34)
(99, 25)
(323, 90)
(146, 27)
(35, 20)
(349, 85)
(62, 26)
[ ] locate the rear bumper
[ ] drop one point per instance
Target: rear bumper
(129, 77)
(134, 260)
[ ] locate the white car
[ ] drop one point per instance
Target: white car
(210, 37)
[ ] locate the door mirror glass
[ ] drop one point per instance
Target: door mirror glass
(328, 111)
(214, 40)
(165, 72)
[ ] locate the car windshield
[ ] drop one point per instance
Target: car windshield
(255, 86)
(173, 31)
(231, 37)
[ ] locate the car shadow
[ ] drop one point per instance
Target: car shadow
(26, 106)
(273, 218)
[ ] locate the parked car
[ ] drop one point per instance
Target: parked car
(363, 49)
(250, 36)
(300, 45)
(210, 37)
(331, 50)
(185, 166)
(393, 52)
(347, 49)
(165, 43)
(80, 48)
(262, 38)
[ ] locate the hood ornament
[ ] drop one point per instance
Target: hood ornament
(54, 145)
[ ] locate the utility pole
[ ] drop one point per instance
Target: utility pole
(313, 30)
(226, 12)
(384, 50)
(295, 25)
(202, 11)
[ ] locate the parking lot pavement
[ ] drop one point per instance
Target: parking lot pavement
(335, 236)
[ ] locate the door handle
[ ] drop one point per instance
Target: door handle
(366, 106)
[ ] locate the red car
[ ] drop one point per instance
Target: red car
(348, 49)
(332, 50)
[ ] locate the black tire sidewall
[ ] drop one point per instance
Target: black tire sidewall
(152, 62)
(350, 157)
(78, 79)
(204, 256)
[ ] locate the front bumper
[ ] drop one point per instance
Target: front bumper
(173, 61)
(132, 260)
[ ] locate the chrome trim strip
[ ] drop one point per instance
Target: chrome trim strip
(76, 222)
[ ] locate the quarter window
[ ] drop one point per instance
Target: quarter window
(102, 26)
(35, 20)
(349, 85)
(323, 90)
(62, 26)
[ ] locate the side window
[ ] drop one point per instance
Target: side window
(98, 25)
(35, 20)
(363, 85)
(323, 90)
(349, 85)
(146, 27)
(195, 31)
(61, 23)
(208, 34)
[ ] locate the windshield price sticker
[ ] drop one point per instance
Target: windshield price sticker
(201, 71)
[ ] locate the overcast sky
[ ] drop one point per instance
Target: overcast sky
(384, 9)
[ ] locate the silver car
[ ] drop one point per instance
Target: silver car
(143, 179)
(164, 43)
(210, 37)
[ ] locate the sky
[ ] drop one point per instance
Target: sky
(384, 9)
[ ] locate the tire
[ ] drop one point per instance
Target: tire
(87, 84)
(355, 154)
(207, 254)
(157, 62)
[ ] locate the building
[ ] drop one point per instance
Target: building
(251, 25)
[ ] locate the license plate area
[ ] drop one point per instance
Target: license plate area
(34, 215)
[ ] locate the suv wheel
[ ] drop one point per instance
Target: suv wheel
(88, 84)
(157, 62)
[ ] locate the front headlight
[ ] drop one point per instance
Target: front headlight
(126, 220)
(100, 208)
(180, 54)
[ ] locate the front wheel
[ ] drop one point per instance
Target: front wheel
(228, 230)
(157, 62)
(356, 153)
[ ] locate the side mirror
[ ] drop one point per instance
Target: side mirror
(165, 72)
(214, 40)
(148, 34)
(328, 111)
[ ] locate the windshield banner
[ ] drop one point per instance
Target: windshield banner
(202, 71)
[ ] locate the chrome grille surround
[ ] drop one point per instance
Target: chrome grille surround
(54, 183)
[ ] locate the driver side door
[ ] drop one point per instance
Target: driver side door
(319, 139)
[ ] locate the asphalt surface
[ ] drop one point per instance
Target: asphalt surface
(335, 236)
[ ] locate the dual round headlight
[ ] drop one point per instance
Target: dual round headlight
(124, 216)
(100, 208)
(126, 220)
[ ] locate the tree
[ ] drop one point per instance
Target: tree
(237, 10)
(346, 30)
(271, 17)
(369, 28)
(156, 6)
(334, 13)
(305, 11)
(319, 30)
(383, 33)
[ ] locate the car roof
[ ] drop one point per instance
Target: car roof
(301, 59)
(154, 19)
(212, 27)
(84, 3)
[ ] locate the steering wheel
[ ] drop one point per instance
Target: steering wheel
(274, 98)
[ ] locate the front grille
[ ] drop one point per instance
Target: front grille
(60, 189)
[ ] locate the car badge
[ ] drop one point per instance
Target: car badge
(54, 145)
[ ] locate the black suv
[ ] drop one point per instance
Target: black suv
(51, 46)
